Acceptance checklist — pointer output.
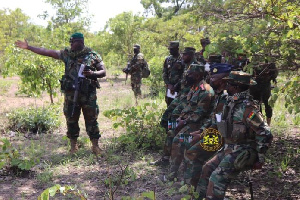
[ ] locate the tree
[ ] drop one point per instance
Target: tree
(12, 24)
(69, 12)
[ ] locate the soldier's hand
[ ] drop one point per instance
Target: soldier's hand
(180, 125)
(88, 73)
(196, 137)
(171, 88)
(257, 165)
(21, 44)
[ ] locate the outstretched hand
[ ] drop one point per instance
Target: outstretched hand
(21, 44)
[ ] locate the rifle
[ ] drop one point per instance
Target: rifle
(126, 70)
(76, 87)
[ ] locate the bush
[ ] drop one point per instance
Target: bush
(10, 157)
(141, 124)
(35, 120)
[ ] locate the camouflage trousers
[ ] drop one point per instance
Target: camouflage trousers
(88, 104)
(136, 88)
(171, 114)
(168, 143)
(195, 157)
(217, 174)
(180, 144)
(136, 83)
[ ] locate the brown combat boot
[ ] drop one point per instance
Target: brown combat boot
(95, 148)
(269, 121)
(74, 146)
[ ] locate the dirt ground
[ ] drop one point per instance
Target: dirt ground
(278, 180)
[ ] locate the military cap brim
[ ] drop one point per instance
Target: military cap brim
(240, 77)
(189, 50)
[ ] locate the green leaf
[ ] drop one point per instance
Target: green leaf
(53, 190)
(149, 195)
(290, 23)
(44, 195)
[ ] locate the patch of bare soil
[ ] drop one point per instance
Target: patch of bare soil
(95, 176)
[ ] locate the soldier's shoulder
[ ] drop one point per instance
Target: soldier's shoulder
(140, 56)
(250, 103)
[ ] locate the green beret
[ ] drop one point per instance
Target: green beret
(195, 68)
(136, 46)
(174, 44)
(189, 50)
(240, 77)
(77, 36)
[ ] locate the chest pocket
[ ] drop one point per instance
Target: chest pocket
(239, 133)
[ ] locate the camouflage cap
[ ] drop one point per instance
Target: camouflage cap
(136, 46)
(76, 35)
(219, 68)
(240, 77)
(195, 68)
(189, 50)
(174, 44)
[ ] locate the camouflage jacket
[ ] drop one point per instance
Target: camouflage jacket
(136, 65)
(184, 88)
(73, 60)
(172, 70)
(220, 100)
(245, 123)
(200, 102)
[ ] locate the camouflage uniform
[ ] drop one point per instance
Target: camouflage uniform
(137, 63)
(196, 156)
(172, 71)
(87, 98)
(174, 109)
(246, 136)
(199, 105)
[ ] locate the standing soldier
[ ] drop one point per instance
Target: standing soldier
(264, 74)
(135, 68)
(196, 155)
(174, 109)
(247, 138)
(79, 89)
(198, 107)
(199, 55)
(172, 71)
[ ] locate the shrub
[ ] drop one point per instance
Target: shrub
(141, 124)
(35, 120)
(10, 157)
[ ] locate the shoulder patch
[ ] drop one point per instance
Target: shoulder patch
(251, 115)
